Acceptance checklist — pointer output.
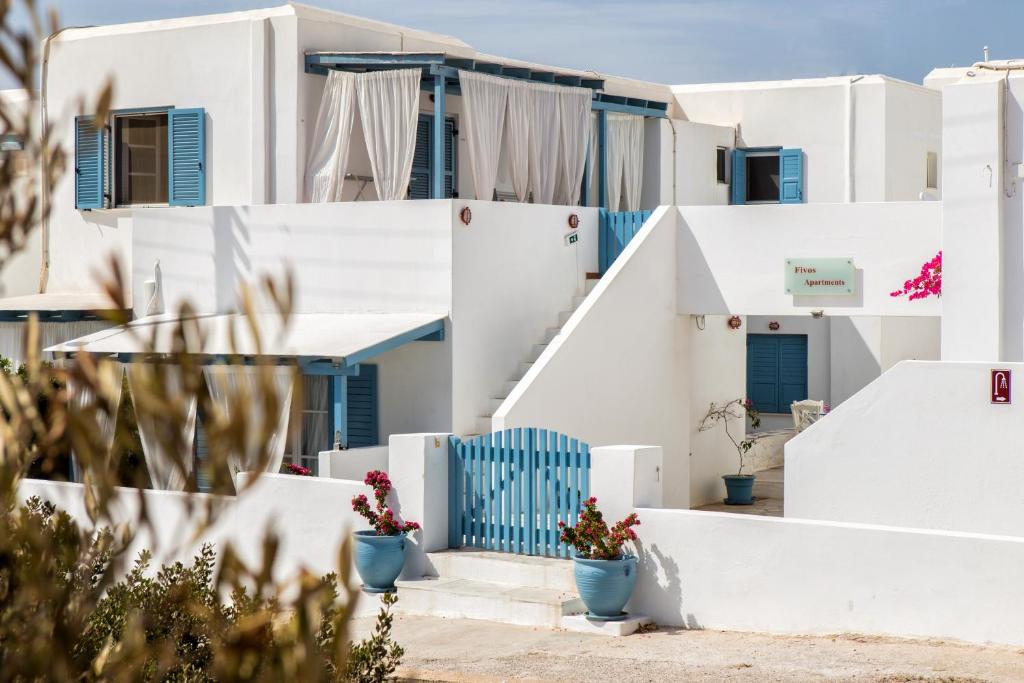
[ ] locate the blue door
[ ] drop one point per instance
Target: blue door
(776, 371)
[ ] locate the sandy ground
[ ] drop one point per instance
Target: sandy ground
(464, 650)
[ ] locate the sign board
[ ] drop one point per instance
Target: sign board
(999, 387)
(572, 238)
(820, 276)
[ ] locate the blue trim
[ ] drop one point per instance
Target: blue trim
(326, 366)
(602, 158)
(434, 328)
(437, 141)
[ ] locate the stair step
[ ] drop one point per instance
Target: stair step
(768, 489)
(508, 387)
(535, 352)
(563, 317)
(550, 334)
(577, 301)
(455, 598)
(526, 571)
(483, 425)
(589, 285)
(494, 404)
(521, 372)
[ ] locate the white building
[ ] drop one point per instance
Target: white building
(204, 163)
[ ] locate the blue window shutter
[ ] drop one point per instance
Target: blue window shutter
(450, 149)
(419, 182)
(186, 157)
(89, 163)
(763, 372)
(362, 408)
(792, 370)
(791, 176)
(739, 176)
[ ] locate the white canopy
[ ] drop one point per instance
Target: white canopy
(349, 336)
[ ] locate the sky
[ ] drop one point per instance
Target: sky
(682, 41)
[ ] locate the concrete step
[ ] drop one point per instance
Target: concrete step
(526, 571)
(577, 301)
(483, 425)
(465, 599)
(590, 282)
(550, 334)
(563, 317)
(769, 484)
(493, 404)
(535, 352)
(506, 389)
(521, 372)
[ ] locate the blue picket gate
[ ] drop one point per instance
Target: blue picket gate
(615, 230)
(508, 490)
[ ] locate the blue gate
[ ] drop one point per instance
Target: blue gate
(615, 230)
(507, 491)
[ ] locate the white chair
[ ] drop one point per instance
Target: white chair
(806, 413)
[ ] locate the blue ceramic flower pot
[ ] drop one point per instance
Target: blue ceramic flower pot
(379, 560)
(739, 489)
(605, 585)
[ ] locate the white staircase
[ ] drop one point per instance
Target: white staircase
(483, 421)
(476, 584)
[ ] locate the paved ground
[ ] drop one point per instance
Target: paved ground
(768, 496)
(463, 650)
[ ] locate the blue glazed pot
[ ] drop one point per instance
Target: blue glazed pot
(379, 560)
(605, 585)
(739, 489)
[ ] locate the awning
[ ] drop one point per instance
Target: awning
(317, 340)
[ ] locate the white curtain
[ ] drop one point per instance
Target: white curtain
(592, 150)
(633, 164)
(328, 158)
(544, 145)
(484, 100)
(239, 386)
(315, 436)
(517, 138)
(164, 473)
(574, 124)
(110, 374)
(617, 141)
(388, 109)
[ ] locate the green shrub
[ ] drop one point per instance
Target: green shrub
(375, 659)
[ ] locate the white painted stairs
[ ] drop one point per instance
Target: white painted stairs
(483, 421)
(491, 586)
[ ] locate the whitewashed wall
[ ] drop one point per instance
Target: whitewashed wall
(352, 464)
(349, 256)
(922, 446)
(616, 373)
(732, 259)
(696, 163)
(748, 573)
(512, 275)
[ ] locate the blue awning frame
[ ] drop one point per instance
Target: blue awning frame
(441, 77)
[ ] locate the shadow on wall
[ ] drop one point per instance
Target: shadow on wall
(853, 363)
(649, 561)
(231, 244)
(690, 253)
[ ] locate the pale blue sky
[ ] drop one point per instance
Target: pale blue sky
(685, 41)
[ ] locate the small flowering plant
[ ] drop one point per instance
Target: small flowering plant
(591, 536)
(927, 283)
(736, 409)
(381, 517)
(299, 470)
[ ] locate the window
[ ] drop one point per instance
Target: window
(932, 171)
(770, 175)
(720, 157)
(421, 180)
(140, 159)
(762, 177)
(157, 156)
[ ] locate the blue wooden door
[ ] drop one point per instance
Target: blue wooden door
(776, 371)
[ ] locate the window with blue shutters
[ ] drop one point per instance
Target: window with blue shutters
(767, 175)
(186, 142)
(776, 371)
(90, 164)
(148, 156)
(422, 174)
(362, 408)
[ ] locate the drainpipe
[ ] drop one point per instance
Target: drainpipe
(675, 200)
(44, 194)
(850, 124)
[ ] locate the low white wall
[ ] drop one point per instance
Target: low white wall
(513, 274)
(696, 163)
(732, 258)
(352, 464)
(922, 446)
(750, 573)
(616, 373)
(310, 515)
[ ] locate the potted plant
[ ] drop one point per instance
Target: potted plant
(380, 551)
(739, 487)
(605, 575)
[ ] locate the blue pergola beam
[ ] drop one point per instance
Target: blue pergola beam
(431, 331)
(600, 105)
(437, 140)
(374, 59)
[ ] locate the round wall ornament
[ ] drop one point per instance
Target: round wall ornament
(774, 325)
(574, 221)
(735, 322)
(465, 215)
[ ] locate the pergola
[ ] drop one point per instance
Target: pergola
(441, 77)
